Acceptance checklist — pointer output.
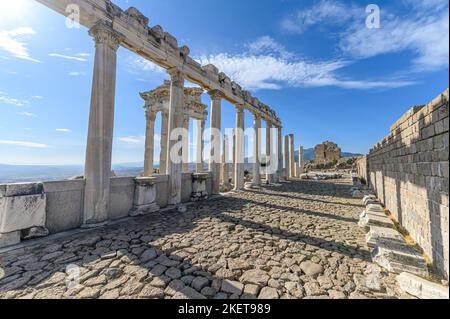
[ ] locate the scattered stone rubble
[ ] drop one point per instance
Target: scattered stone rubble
(321, 176)
(391, 252)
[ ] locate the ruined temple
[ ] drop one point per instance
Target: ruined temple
(327, 152)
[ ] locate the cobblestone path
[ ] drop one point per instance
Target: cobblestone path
(294, 240)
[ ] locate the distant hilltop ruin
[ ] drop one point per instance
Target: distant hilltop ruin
(327, 152)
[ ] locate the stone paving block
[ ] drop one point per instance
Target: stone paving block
(397, 258)
(421, 288)
(377, 235)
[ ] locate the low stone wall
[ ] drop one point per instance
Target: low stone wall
(58, 206)
(409, 170)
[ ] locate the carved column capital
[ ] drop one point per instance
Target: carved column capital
(239, 108)
(103, 33)
(150, 115)
(176, 77)
(216, 94)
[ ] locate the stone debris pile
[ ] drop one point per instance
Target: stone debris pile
(391, 252)
(321, 176)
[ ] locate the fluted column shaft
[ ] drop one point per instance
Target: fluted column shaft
(240, 149)
(175, 136)
(186, 144)
(101, 125)
(225, 164)
(269, 157)
(279, 176)
(164, 141)
(257, 150)
(286, 157)
(149, 143)
(291, 156)
(200, 145)
(215, 159)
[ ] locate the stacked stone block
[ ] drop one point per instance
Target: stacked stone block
(409, 170)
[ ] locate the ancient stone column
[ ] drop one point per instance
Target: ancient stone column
(164, 140)
(286, 157)
(101, 124)
(233, 164)
(216, 118)
(257, 150)
(301, 160)
(291, 156)
(225, 165)
(269, 157)
(200, 145)
(149, 143)
(279, 175)
(186, 144)
(239, 178)
(175, 136)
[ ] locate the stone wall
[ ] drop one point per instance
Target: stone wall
(409, 170)
(362, 168)
(62, 206)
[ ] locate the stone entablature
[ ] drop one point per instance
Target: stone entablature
(160, 47)
(157, 100)
(327, 152)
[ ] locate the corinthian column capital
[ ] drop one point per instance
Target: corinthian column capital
(176, 77)
(103, 33)
(216, 94)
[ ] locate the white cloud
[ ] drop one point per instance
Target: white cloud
(75, 73)
(84, 55)
(278, 68)
(38, 97)
(5, 99)
(323, 12)
(422, 35)
(139, 63)
(11, 42)
(27, 114)
(24, 144)
(63, 130)
(132, 139)
(67, 57)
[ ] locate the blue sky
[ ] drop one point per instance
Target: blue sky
(316, 63)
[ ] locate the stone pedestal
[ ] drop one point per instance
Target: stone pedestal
(199, 191)
(22, 207)
(144, 196)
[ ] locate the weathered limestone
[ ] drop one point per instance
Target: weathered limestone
(101, 123)
(291, 156)
(22, 207)
(240, 150)
(301, 160)
(199, 191)
(377, 235)
(369, 219)
(216, 118)
(398, 257)
(279, 175)
(421, 288)
(185, 144)
(327, 152)
(176, 116)
(164, 141)
(144, 196)
(269, 152)
(257, 151)
(149, 143)
(225, 165)
(200, 145)
(286, 158)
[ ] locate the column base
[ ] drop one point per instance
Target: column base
(9, 239)
(142, 210)
(94, 225)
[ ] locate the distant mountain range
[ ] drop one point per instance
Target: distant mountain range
(43, 173)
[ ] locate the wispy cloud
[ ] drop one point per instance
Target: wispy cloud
(268, 65)
(27, 114)
(420, 29)
(63, 130)
(5, 99)
(38, 97)
(132, 139)
(138, 63)
(24, 144)
(75, 73)
(324, 13)
(68, 57)
(11, 41)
